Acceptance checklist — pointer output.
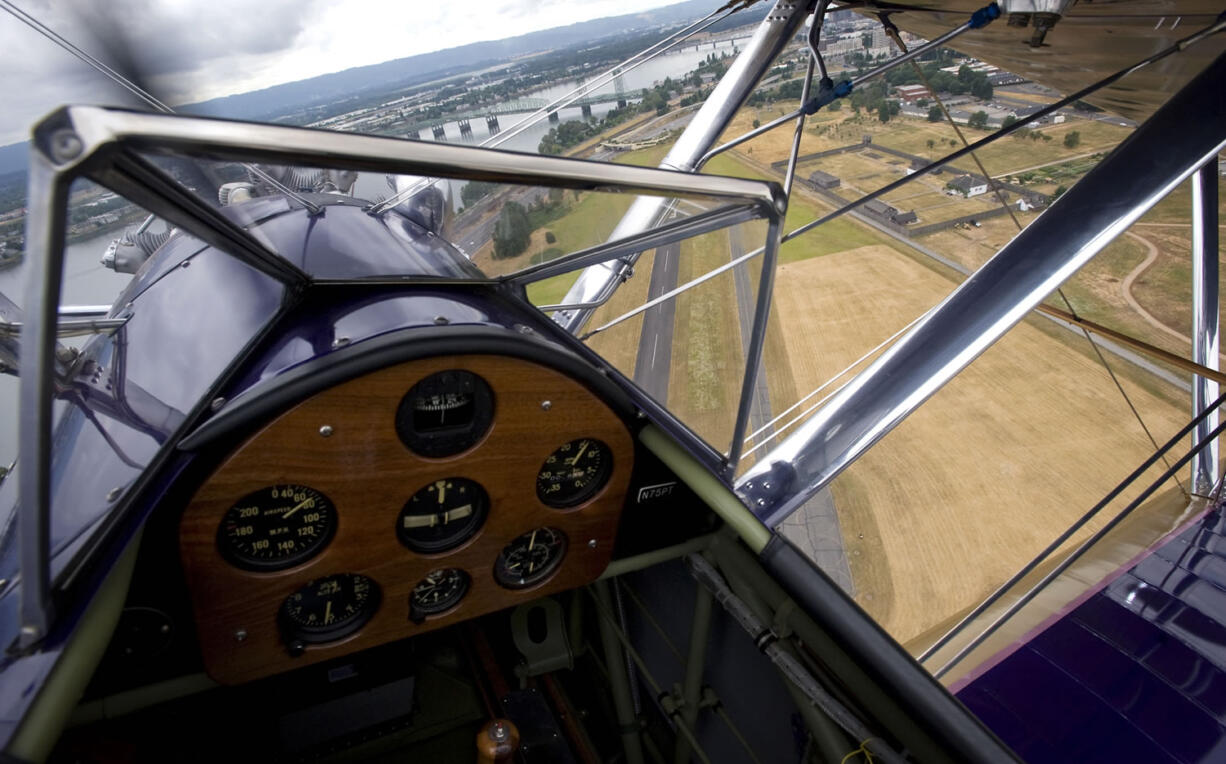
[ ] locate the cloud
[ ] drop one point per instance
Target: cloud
(191, 50)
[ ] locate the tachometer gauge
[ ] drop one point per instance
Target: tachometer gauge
(531, 558)
(574, 473)
(276, 527)
(438, 592)
(442, 515)
(445, 413)
(328, 609)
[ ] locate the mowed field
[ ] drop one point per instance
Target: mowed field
(983, 475)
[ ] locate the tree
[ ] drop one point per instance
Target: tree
(1008, 120)
(757, 123)
(1072, 139)
(475, 190)
(931, 143)
(934, 113)
(512, 231)
(979, 119)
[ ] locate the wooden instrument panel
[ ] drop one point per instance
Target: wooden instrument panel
(369, 474)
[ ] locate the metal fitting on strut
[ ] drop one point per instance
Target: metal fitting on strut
(1043, 14)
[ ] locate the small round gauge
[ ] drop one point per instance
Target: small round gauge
(328, 609)
(574, 473)
(276, 527)
(438, 592)
(445, 413)
(442, 515)
(531, 558)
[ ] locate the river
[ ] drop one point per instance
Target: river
(86, 282)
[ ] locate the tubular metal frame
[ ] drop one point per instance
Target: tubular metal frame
(597, 283)
(107, 146)
(887, 66)
(1205, 319)
(1134, 177)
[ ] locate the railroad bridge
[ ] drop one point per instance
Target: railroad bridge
(515, 106)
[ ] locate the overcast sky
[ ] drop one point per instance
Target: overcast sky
(203, 50)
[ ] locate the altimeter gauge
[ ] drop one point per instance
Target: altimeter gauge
(446, 413)
(438, 592)
(276, 527)
(530, 558)
(327, 609)
(442, 515)
(574, 473)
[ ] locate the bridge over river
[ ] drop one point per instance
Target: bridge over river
(491, 112)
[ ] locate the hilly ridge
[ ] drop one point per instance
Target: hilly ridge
(405, 72)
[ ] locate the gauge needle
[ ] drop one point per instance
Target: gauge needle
(328, 612)
(429, 521)
(531, 543)
(300, 505)
(441, 485)
(579, 455)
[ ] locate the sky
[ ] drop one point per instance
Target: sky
(204, 50)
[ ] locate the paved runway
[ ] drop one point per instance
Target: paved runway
(814, 527)
(655, 354)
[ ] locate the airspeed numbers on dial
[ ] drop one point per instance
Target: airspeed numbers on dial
(276, 527)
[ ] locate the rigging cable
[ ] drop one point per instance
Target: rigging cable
(562, 101)
(892, 32)
(1217, 26)
(136, 90)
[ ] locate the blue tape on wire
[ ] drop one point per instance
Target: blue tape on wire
(827, 91)
(984, 16)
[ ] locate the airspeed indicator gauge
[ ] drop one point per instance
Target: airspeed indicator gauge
(276, 527)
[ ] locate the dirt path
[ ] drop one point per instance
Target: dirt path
(1047, 164)
(1126, 289)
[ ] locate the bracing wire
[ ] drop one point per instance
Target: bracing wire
(892, 32)
(562, 101)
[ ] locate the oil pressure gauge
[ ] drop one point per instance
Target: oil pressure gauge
(574, 473)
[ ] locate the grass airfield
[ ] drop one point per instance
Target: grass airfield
(996, 464)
